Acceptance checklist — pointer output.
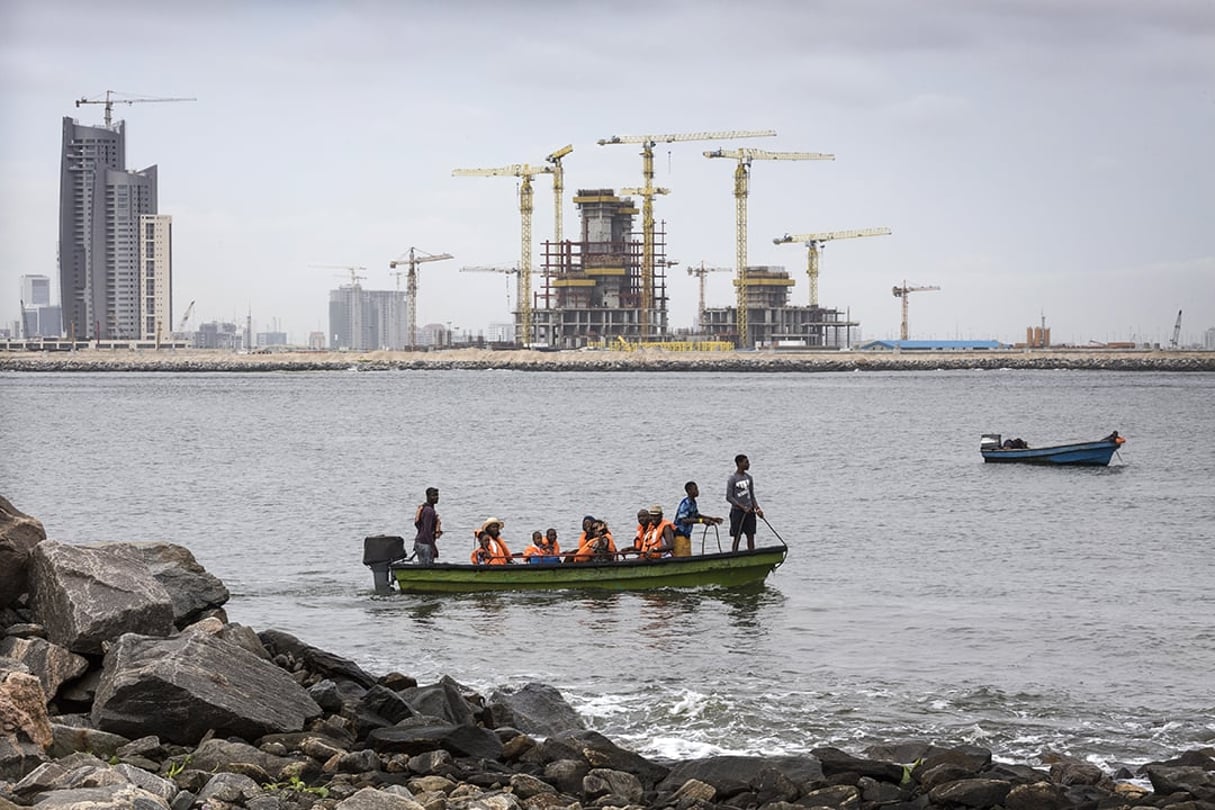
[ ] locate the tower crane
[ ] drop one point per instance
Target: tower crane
(352, 269)
(109, 101)
(506, 271)
(413, 257)
(701, 272)
(1176, 332)
(558, 187)
(742, 175)
(814, 242)
(647, 194)
(526, 172)
(904, 292)
(181, 325)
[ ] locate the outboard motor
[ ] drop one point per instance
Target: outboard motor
(379, 552)
(989, 441)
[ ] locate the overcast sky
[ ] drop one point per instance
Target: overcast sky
(1032, 157)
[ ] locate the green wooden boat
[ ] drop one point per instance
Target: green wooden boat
(723, 569)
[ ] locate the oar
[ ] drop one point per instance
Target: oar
(774, 531)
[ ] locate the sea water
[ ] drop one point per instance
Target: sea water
(926, 595)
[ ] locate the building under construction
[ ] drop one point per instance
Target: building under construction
(592, 291)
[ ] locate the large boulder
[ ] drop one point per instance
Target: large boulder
(192, 588)
(536, 708)
(86, 597)
(19, 533)
(25, 730)
(315, 660)
(731, 772)
(179, 688)
(51, 663)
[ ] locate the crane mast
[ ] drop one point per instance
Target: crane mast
(649, 191)
(525, 172)
(904, 292)
(109, 101)
(813, 243)
(701, 272)
(1176, 332)
(558, 188)
(742, 182)
(413, 257)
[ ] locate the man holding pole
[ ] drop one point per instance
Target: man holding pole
(740, 492)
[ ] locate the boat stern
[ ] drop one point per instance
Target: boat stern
(379, 552)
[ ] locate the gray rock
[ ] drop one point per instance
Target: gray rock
(19, 533)
(245, 637)
(230, 756)
(834, 761)
(70, 739)
(372, 799)
(82, 690)
(1036, 796)
(535, 708)
(722, 772)
(190, 586)
(228, 787)
(40, 780)
(525, 786)
(109, 797)
(24, 630)
(443, 700)
(316, 660)
(148, 781)
(463, 741)
(51, 663)
(971, 793)
(1192, 779)
(86, 596)
(326, 695)
(179, 688)
(620, 787)
(600, 752)
(25, 731)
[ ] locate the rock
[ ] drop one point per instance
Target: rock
(600, 752)
(372, 799)
(86, 596)
(191, 587)
(25, 730)
(724, 772)
(1036, 796)
(70, 739)
(971, 793)
(1069, 771)
(535, 708)
(834, 761)
(19, 533)
(378, 708)
(231, 756)
(179, 688)
(619, 787)
(326, 695)
(110, 797)
(227, 787)
(51, 663)
(316, 660)
(24, 630)
(443, 700)
(1192, 779)
(463, 741)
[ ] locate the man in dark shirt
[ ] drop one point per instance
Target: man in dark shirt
(426, 521)
(740, 492)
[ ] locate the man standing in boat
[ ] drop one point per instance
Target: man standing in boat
(688, 513)
(740, 492)
(426, 521)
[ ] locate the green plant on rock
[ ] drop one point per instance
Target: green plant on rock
(299, 786)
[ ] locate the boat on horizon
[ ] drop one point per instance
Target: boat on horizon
(1092, 454)
(385, 555)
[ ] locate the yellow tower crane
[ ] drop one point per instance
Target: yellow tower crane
(904, 292)
(701, 272)
(412, 258)
(648, 192)
(742, 174)
(109, 101)
(526, 172)
(814, 242)
(558, 188)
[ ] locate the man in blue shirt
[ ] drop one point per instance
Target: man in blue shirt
(688, 513)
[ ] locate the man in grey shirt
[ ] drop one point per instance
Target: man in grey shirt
(740, 492)
(426, 521)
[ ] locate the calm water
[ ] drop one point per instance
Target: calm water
(927, 595)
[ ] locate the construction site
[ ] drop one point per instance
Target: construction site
(608, 287)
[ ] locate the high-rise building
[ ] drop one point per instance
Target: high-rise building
(155, 276)
(366, 319)
(101, 275)
(36, 291)
(38, 318)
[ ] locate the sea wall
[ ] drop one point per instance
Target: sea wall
(639, 360)
(124, 684)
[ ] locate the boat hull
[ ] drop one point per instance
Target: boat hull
(1092, 454)
(729, 569)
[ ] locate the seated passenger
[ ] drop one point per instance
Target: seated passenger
(490, 549)
(659, 540)
(598, 545)
(643, 526)
(544, 548)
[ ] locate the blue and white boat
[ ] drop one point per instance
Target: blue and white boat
(1093, 454)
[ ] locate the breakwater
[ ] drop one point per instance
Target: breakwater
(607, 361)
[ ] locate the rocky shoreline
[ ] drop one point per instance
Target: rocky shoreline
(641, 360)
(123, 684)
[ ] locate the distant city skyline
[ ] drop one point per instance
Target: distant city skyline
(1033, 160)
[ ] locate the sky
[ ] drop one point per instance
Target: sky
(1036, 160)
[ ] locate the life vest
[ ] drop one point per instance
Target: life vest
(496, 553)
(602, 547)
(652, 541)
(545, 552)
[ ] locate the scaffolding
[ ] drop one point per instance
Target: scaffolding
(591, 292)
(771, 322)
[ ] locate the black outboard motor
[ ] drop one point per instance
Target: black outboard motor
(379, 552)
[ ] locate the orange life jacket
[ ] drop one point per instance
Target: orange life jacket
(653, 541)
(602, 547)
(543, 549)
(496, 553)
